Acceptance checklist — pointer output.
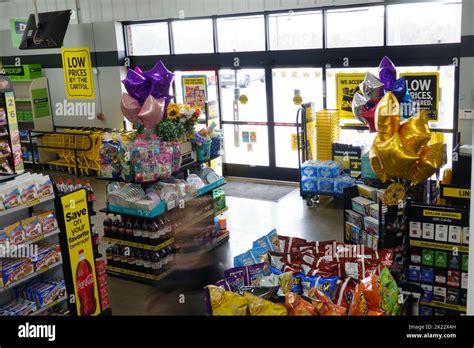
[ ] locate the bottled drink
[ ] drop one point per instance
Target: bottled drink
(137, 232)
(129, 232)
(85, 286)
(168, 228)
(109, 253)
(154, 233)
(121, 230)
(145, 233)
(69, 186)
(164, 260)
(146, 262)
(114, 229)
(139, 260)
(78, 184)
(107, 227)
(116, 256)
(156, 264)
(124, 257)
(132, 261)
(90, 192)
(60, 185)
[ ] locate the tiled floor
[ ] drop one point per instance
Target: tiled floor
(247, 220)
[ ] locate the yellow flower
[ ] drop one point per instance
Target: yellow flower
(173, 110)
(187, 107)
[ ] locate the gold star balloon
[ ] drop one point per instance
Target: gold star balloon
(431, 158)
(415, 132)
(387, 116)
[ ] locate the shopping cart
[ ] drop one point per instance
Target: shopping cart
(309, 147)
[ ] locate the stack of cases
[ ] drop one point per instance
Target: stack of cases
(102, 281)
(362, 221)
(327, 132)
(442, 270)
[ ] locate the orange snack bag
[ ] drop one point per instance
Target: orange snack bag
(297, 306)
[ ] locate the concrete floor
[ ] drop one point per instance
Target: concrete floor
(247, 220)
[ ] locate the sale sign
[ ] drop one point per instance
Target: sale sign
(77, 68)
(424, 89)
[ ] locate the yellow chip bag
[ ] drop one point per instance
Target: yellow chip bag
(225, 302)
(259, 306)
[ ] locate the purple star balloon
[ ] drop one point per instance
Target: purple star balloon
(159, 79)
(387, 73)
(136, 86)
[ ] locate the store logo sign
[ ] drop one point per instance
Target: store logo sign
(37, 331)
(75, 109)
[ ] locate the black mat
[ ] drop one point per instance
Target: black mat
(259, 191)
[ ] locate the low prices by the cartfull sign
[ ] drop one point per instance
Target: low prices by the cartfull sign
(424, 89)
(81, 254)
(77, 69)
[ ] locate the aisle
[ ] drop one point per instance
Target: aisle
(247, 220)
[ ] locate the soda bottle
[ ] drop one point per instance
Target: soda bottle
(107, 227)
(156, 264)
(124, 257)
(138, 261)
(129, 231)
(69, 186)
(137, 232)
(146, 262)
(90, 192)
(168, 228)
(60, 185)
(78, 184)
(164, 260)
(132, 261)
(121, 230)
(116, 256)
(145, 233)
(85, 286)
(154, 233)
(109, 252)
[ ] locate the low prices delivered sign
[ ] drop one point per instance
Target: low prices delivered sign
(81, 254)
(77, 69)
(424, 89)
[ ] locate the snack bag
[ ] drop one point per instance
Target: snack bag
(295, 281)
(44, 186)
(345, 292)
(221, 302)
(164, 161)
(327, 285)
(234, 278)
(48, 221)
(251, 274)
(244, 259)
(297, 306)
(290, 244)
(15, 233)
(323, 304)
(283, 280)
(367, 300)
(28, 193)
(259, 306)
(269, 241)
(388, 292)
(11, 196)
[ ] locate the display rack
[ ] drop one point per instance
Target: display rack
(156, 212)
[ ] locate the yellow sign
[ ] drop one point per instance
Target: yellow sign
(297, 100)
(456, 192)
(14, 133)
(294, 142)
(77, 69)
(346, 86)
(442, 214)
(81, 254)
(243, 99)
(195, 90)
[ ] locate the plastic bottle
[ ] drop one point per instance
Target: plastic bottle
(69, 186)
(129, 232)
(116, 256)
(145, 233)
(60, 185)
(138, 260)
(114, 229)
(137, 232)
(85, 286)
(154, 233)
(90, 192)
(121, 230)
(78, 184)
(109, 253)
(124, 257)
(156, 264)
(107, 227)
(132, 261)
(146, 262)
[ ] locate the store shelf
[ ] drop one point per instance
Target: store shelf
(220, 240)
(161, 208)
(22, 80)
(52, 304)
(439, 245)
(139, 245)
(9, 211)
(135, 275)
(23, 100)
(202, 217)
(30, 276)
(25, 121)
(442, 305)
(39, 238)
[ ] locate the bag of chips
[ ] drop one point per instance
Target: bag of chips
(327, 285)
(290, 244)
(251, 257)
(233, 281)
(388, 292)
(250, 275)
(367, 300)
(259, 306)
(295, 280)
(296, 305)
(284, 281)
(323, 304)
(325, 264)
(221, 302)
(269, 241)
(345, 292)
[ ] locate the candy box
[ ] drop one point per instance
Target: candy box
(48, 293)
(15, 233)
(15, 269)
(32, 227)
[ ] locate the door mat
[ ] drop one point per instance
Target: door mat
(259, 191)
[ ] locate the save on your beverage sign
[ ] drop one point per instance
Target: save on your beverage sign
(77, 68)
(81, 254)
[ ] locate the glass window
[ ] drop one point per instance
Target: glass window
(241, 34)
(246, 144)
(296, 30)
(251, 84)
(193, 36)
(355, 27)
(148, 39)
(424, 23)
